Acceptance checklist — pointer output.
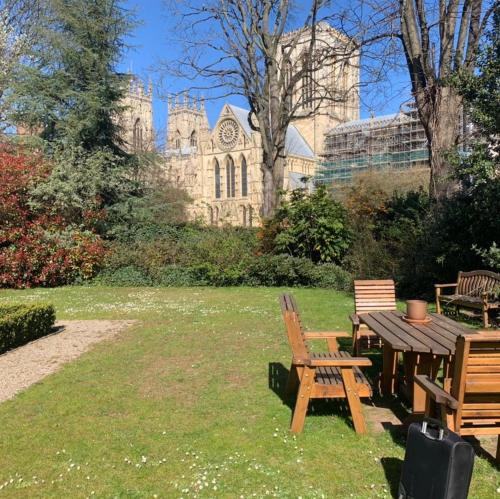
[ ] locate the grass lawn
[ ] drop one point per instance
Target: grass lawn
(180, 406)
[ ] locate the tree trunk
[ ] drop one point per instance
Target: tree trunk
(441, 117)
(272, 185)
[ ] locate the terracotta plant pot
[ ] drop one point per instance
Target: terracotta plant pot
(416, 310)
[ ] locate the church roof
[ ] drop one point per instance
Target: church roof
(369, 123)
(295, 144)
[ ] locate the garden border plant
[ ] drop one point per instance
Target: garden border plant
(20, 324)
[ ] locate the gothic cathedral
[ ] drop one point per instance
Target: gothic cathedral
(220, 167)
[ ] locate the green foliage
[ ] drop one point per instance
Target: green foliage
(185, 245)
(151, 214)
(20, 324)
(399, 240)
(419, 245)
(81, 182)
(39, 246)
(69, 88)
(490, 256)
(481, 90)
(285, 270)
(68, 91)
(310, 226)
(264, 270)
(124, 276)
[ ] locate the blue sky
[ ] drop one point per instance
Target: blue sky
(152, 41)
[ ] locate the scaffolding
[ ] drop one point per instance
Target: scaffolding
(392, 142)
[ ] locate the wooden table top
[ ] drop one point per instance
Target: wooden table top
(438, 337)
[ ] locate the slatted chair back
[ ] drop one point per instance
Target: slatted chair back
(477, 282)
(294, 328)
(374, 296)
(476, 384)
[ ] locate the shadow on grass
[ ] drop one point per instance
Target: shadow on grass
(392, 469)
(278, 377)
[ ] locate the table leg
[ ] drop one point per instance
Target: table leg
(389, 370)
(448, 366)
(419, 363)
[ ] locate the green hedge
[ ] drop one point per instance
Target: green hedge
(264, 270)
(20, 324)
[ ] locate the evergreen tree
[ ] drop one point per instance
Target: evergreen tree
(69, 88)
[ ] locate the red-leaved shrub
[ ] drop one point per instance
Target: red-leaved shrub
(37, 246)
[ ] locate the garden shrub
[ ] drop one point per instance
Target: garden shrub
(20, 324)
(185, 245)
(124, 276)
(38, 246)
(330, 275)
(264, 270)
(308, 225)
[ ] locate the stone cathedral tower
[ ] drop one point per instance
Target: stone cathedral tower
(136, 120)
(327, 95)
(187, 132)
(187, 123)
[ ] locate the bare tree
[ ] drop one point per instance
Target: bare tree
(253, 53)
(439, 41)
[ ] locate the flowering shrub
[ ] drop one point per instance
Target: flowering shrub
(38, 247)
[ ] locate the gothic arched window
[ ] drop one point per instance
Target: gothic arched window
(193, 140)
(178, 140)
(250, 216)
(244, 177)
(137, 135)
(230, 177)
(217, 179)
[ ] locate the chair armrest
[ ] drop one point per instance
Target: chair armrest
(335, 361)
(324, 335)
(354, 319)
(435, 391)
(487, 295)
(439, 286)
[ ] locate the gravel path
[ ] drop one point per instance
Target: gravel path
(24, 366)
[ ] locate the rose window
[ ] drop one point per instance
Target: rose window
(227, 134)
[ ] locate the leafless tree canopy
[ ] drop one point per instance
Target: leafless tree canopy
(440, 40)
(249, 48)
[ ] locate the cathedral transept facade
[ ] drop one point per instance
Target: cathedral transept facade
(220, 167)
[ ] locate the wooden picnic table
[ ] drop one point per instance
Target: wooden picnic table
(424, 347)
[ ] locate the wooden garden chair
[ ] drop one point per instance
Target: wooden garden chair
(370, 296)
(470, 401)
(322, 375)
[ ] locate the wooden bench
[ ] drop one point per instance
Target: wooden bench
(322, 375)
(473, 291)
(370, 296)
(470, 401)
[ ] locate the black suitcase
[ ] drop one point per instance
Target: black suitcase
(438, 463)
